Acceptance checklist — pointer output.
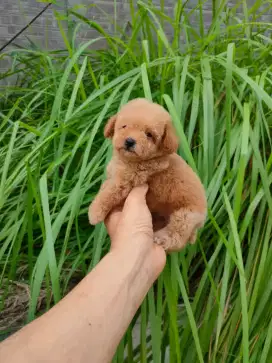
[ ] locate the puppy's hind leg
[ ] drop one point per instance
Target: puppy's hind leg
(181, 229)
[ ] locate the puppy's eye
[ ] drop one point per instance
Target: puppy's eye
(124, 126)
(149, 135)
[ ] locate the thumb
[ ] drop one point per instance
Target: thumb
(136, 215)
(137, 197)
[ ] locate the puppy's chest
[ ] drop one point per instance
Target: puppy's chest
(134, 177)
(137, 174)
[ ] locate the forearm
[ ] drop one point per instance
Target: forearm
(87, 325)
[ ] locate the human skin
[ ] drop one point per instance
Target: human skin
(89, 322)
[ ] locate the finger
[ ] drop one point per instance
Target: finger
(112, 221)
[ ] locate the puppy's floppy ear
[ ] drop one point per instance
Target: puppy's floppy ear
(169, 141)
(109, 128)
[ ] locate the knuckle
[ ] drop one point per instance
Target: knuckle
(143, 229)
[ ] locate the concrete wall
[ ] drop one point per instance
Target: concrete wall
(44, 32)
(15, 14)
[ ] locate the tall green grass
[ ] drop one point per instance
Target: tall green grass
(213, 301)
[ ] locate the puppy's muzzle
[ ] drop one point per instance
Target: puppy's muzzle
(129, 144)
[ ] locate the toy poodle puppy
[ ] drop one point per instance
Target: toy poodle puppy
(145, 145)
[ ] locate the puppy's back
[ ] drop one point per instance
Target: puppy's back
(175, 188)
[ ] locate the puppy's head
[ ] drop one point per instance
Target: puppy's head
(142, 130)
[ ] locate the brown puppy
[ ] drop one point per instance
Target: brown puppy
(145, 148)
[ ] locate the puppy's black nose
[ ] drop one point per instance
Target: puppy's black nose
(129, 143)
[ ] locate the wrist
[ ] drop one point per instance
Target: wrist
(141, 256)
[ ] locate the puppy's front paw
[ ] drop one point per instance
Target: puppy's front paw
(96, 213)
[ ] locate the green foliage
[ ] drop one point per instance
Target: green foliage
(213, 301)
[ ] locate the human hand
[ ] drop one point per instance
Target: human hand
(132, 226)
